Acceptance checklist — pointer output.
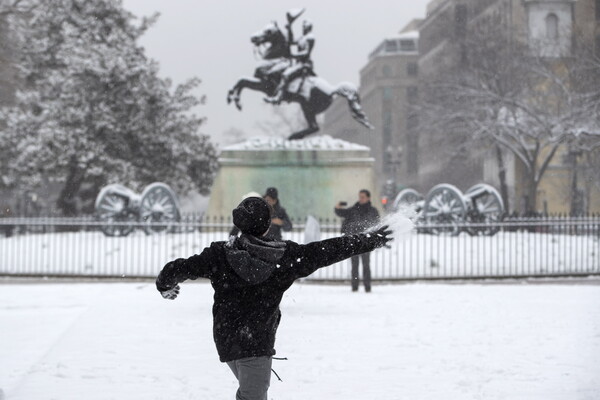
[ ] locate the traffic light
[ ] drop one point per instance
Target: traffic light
(389, 191)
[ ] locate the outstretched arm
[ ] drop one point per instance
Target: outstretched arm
(182, 269)
(312, 256)
(290, 34)
(341, 212)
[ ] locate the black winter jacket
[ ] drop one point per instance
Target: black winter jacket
(357, 218)
(249, 277)
(274, 231)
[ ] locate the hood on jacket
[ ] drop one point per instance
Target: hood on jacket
(253, 259)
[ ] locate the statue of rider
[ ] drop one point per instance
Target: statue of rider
(301, 59)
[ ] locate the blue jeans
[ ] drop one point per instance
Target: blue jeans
(254, 376)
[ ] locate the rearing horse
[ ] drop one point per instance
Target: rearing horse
(313, 94)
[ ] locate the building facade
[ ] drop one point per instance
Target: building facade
(388, 87)
(551, 29)
(393, 85)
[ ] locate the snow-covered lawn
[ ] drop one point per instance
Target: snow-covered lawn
(414, 341)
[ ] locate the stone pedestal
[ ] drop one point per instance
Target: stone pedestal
(312, 174)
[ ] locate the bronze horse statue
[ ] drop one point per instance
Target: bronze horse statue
(313, 94)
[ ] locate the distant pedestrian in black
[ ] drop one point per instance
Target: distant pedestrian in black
(249, 275)
(358, 218)
(279, 218)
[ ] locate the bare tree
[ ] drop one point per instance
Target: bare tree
(502, 96)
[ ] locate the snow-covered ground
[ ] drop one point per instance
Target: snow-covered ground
(415, 341)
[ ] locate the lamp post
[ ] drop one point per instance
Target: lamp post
(394, 159)
(577, 203)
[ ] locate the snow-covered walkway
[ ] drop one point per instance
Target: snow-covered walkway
(415, 341)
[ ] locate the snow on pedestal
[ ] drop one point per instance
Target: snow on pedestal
(312, 174)
(324, 142)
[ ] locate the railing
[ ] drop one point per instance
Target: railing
(513, 248)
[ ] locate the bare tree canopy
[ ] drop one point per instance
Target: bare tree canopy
(501, 94)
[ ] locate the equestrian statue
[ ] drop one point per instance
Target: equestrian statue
(286, 74)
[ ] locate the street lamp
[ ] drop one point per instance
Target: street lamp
(577, 197)
(393, 161)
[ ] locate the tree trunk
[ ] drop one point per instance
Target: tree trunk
(502, 179)
(531, 204)
(67, 199)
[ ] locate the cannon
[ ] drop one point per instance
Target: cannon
(122, 209)
(445, 205)
(409, 198)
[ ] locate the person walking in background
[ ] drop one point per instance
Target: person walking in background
(249, 275)
(356, 219)
(279, 218)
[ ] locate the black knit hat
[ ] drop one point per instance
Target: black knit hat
(252, 216)
(272, 193)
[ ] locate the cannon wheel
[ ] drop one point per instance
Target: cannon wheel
(485, 208)
(159, 204)
(445, 205)
(408, 197)
(112, 208)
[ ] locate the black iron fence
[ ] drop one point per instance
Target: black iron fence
(516, 247)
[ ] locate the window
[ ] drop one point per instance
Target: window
(408, 45)
(460, 20)
(387, 71)
(391, 46)
(412, 121)
(412, 92)
(412, 69)
(388, 93)
(387, 122)
(551, 27)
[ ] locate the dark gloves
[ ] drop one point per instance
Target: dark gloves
(166, 283)
(170, 294)
(379, 237)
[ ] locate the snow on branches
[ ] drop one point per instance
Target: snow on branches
(91, 108)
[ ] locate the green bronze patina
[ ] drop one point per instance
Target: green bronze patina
(312, 175)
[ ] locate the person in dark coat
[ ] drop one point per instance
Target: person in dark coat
(356, 219)
(279, 218)
(249, 275)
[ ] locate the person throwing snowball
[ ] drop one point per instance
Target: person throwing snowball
(249, 275)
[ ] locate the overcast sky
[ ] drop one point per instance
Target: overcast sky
(210, 39)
